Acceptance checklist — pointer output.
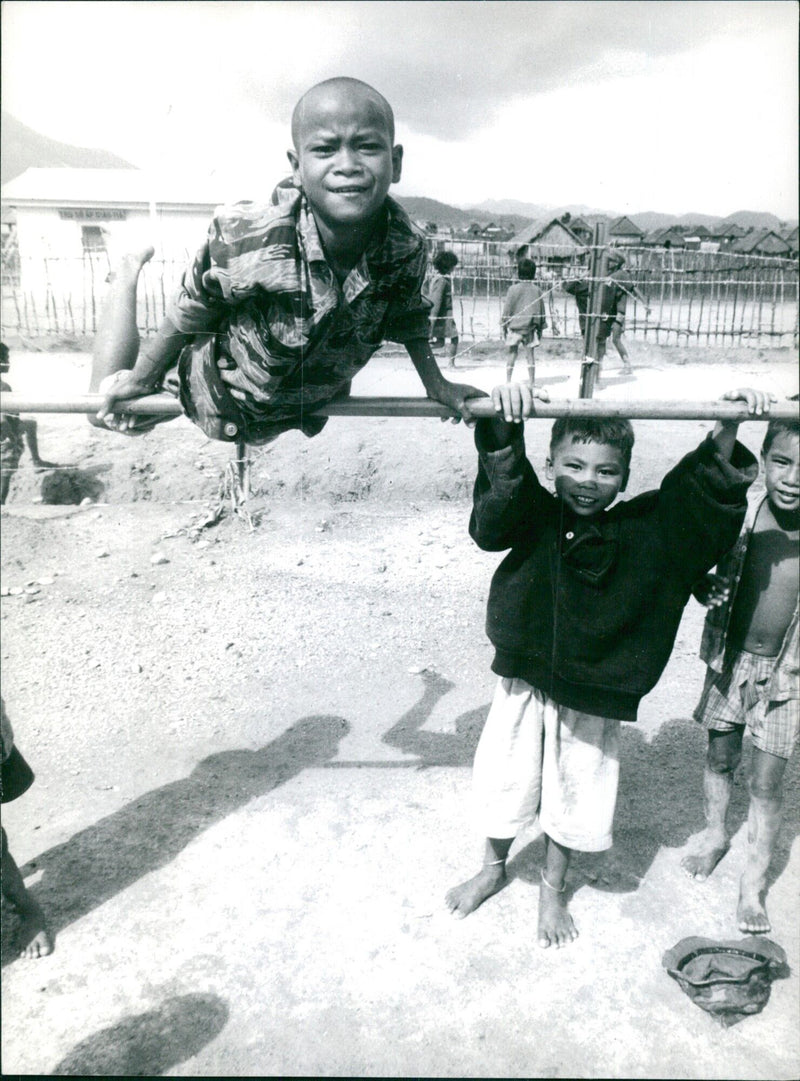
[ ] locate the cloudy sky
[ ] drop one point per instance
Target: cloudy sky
(684, 106)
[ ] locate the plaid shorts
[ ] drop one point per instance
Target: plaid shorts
(524, 337)
(736, 697)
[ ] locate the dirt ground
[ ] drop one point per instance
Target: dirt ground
(253, 757)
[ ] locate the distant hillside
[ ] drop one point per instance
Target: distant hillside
(535, 211)
(23, 148)
(652, 219)
(748, 218)
(647, 220)
(422, 209)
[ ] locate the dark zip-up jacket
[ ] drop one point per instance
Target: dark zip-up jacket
(587, 609)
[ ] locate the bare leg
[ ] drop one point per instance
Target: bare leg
(30, 431)
(763, 823)
(452, 349)
(722, 759)
(116, 344)
(33, 936)
(601, 352)
(511, 361)
(491, 878)
(616, 337)
(555, 923)
(8, 466)
(531, 350)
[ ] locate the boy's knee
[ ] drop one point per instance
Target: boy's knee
(724, 755)
(766, 788)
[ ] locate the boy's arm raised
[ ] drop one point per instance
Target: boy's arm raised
(507, 496)
(454, 395)
(725, 431)
(703, 499)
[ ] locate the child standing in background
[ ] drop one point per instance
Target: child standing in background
(523, 318)
(440, 291)
(750, 644)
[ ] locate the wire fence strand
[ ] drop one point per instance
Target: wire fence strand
(674, 296)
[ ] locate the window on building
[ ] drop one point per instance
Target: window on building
(93, 237)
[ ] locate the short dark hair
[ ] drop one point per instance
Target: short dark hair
(526, 269)
(445, 261)
(613, 431)
(346, 85)
(781, 427)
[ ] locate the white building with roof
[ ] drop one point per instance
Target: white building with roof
(66, 213)
(68, 227)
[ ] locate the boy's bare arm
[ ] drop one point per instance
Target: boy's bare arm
(151, 365)
(725, 431)
(454, 395)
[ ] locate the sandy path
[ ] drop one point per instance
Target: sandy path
(253, 777)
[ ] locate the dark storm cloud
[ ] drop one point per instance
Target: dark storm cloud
(446, 67)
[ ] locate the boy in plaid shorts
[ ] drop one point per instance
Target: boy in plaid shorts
(750, 644)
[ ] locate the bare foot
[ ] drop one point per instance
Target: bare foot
(751, 911)
(131, 264)
(40, 465)
(33, 935)
(463, 899)
(555, 923)
(709, 850)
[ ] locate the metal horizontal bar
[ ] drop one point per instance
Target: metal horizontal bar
(167, 406)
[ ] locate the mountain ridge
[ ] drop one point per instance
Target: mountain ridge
(23, 148)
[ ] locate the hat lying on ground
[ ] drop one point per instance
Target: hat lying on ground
(730, 980)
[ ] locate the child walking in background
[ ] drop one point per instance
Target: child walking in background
(582, 614)
(750, 644)
(286, 302)
(613, 300)
(523, 318)
(33, 935)
(440, 291)
(623, 281)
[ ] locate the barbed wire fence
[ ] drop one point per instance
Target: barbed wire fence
(690, 297)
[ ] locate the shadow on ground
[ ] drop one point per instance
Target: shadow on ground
(660, 805)
(660, 800)
(151, 1043)
(148, 833)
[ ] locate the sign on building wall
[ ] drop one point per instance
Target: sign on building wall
(91, 214)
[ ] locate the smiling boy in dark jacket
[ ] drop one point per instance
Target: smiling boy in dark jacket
(582, 614)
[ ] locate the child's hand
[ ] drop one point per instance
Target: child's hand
(758, 401)
(712, 590)
(456, 397)
(124, 386)
(514, 401)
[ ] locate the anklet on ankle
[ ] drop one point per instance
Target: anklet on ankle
(494, 863)
(555, 889)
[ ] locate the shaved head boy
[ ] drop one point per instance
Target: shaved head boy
(288, 299)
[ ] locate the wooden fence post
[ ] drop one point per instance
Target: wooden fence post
(597, 270)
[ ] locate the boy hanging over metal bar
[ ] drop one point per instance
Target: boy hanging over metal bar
(286, 302)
